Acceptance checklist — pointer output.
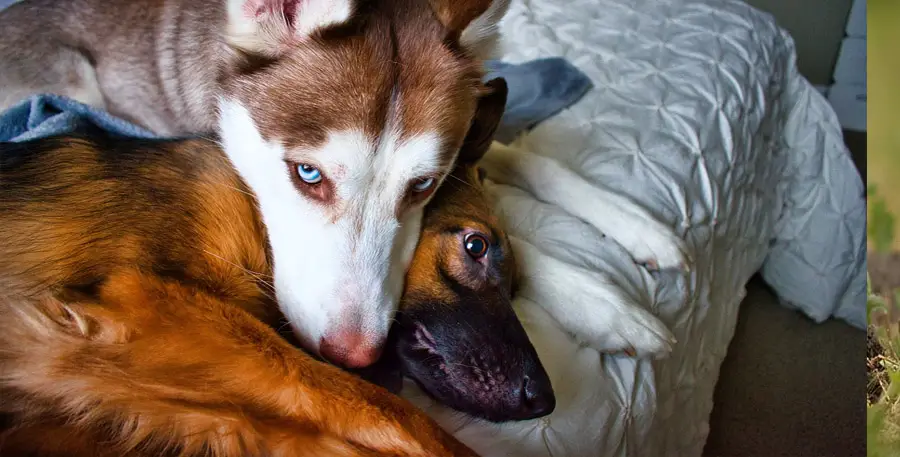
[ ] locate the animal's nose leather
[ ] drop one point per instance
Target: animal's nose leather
(538, 399)
(349, 349)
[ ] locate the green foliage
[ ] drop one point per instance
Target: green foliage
(880, 226)
(877, 444)
(883, 417)
(874, 424)
(874, 304)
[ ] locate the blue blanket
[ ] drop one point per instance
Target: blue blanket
(537, 90)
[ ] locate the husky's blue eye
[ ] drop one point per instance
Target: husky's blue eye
(309, 174)
(423, 185)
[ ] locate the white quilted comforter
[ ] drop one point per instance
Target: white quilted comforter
(699, 115)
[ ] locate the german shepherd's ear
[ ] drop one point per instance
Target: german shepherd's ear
(264, 27)
(484, 125)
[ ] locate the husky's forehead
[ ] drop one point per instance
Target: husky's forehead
(392, 71)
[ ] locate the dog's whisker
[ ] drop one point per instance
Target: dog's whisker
(457, 364)
(283, 325)
(228, 186)
(460, 180)
(255, 274)
(267, 287)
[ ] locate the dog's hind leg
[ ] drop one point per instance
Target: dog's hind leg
(169, 367)
(40, 56)
(68, 73)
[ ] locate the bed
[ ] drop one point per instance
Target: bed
(698, 114)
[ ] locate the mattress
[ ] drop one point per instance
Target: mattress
(699, 117)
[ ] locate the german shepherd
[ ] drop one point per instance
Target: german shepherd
(138, 311)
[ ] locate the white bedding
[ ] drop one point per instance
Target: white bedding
(699, 115)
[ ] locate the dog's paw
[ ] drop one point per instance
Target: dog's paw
(589, 306)
(654, 245)
(635, 332)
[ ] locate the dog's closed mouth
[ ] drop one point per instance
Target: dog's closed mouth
(425, 344)
(424, 341)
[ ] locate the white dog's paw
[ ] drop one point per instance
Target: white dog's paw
(588, 305)
(635, 332)
(655, 245)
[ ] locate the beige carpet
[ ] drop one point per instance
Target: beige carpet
(789, 387)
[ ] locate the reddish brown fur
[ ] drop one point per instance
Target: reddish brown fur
(164, 366)
(457, 15)
(136, 300)
(145, 320)
(391, 64)
(164, 63)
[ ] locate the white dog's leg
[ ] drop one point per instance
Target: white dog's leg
(587, 304)
(647, 240)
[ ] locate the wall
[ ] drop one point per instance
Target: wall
(817, 27)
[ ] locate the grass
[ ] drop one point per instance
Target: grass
(883, 411)
(883, 349)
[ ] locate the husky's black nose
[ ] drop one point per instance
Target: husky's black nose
(538, 399)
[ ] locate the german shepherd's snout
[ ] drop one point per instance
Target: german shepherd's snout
(489, 369)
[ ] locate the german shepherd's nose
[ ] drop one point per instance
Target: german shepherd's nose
(538, 399)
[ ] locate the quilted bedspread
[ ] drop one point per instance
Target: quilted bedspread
(699, 116)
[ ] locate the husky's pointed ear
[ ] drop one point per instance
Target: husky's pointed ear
(472, 22)
(267, 27)
(481, 37)
(484, 124)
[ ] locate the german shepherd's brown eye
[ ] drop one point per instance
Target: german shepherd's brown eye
(476, 245)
